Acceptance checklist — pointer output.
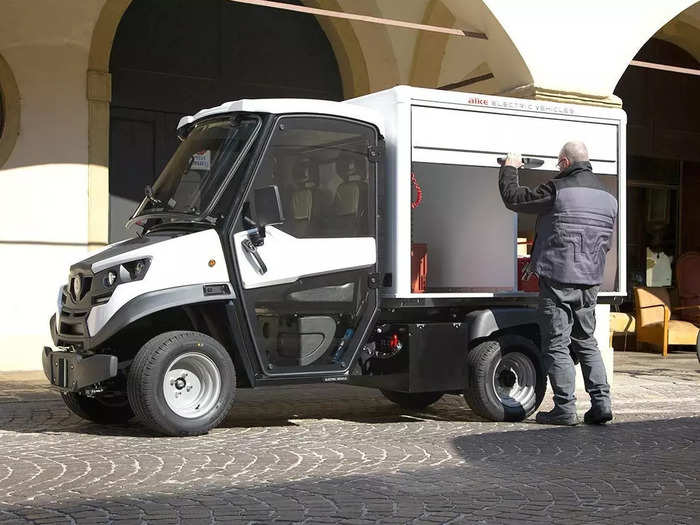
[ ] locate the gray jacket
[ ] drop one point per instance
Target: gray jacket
(575, 223)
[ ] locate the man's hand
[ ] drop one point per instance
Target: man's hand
(514, 159)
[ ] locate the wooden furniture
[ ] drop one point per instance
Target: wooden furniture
(654, 324)
(622, 323)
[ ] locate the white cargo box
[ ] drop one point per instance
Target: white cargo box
(470, 243)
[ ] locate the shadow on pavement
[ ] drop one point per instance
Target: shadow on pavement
(253, 409)
(638, 472)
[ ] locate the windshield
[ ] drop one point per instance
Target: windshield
(198, 171)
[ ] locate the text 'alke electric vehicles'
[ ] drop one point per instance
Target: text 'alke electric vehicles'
(289, 240)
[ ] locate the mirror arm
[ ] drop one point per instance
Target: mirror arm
(257, 235)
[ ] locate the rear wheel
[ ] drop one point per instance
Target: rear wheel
(105, 408)
(412, 400)
(181, 383)
(505, 380)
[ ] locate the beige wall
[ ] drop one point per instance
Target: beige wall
(43, 184)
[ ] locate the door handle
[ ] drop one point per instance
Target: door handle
(250, 249)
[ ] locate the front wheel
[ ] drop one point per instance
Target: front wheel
(505, 380)
(412, 400)
(104, 408)
(181, 383)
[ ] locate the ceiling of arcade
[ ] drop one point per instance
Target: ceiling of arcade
(512, 57)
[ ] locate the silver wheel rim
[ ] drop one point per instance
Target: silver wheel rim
(192, 385)
(514, 380)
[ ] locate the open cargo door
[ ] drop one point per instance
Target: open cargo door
(473, 245)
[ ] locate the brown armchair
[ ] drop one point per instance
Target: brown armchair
(654, 323)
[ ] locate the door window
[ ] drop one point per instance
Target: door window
(321, 168)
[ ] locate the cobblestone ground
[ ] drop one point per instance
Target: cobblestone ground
(338, 454)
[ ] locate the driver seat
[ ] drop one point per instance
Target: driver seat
(305, 200)
(349, 215)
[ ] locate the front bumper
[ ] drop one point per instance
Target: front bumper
(71, 372)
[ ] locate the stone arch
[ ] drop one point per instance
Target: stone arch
(431, 47)
(99, 90)
(439, 59)
(684, 35)
(347, 49)
(598, 67)
(363, 50)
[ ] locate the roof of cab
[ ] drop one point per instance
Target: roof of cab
(291, 105)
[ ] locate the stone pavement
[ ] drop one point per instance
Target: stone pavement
(340, 454)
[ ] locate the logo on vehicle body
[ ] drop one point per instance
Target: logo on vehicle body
(76, 287)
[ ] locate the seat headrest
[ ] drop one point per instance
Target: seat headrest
(349, 165)
(305, 173)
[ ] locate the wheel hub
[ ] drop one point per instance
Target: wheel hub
(508, 378)
(514, 380)
(192, 385)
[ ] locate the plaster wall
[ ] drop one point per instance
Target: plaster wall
(43, 183)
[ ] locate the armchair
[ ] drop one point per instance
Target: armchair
(654, 323)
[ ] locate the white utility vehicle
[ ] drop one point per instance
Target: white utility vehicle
(297, 241)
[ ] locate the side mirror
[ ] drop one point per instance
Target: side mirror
(268, 206)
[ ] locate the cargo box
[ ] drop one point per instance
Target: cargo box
(442, 197)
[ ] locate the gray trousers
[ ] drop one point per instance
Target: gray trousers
(567, 323)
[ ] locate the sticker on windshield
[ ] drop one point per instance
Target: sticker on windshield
(202, 160)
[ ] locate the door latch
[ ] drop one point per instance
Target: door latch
(251, 250)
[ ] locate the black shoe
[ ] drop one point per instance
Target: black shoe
(556, 418)
(596, 416)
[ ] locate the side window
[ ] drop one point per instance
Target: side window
(325, 179)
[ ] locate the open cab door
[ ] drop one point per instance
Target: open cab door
(306, 246)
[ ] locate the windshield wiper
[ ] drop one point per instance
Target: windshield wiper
(149, 195)
(157, 202)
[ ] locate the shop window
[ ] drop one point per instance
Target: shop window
(652, 220)
(652, 238)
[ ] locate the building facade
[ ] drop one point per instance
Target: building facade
(90, 92)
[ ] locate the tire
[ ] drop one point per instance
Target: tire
(181, 383)
(106, 410)
(505, 379)
(412, 400)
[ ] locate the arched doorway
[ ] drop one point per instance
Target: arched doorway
(172, 58)
(663, 162)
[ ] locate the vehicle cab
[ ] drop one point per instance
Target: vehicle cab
(261, 233)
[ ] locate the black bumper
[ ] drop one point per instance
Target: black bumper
(71, 372)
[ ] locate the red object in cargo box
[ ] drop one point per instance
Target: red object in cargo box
(419, 267)
(532, 284)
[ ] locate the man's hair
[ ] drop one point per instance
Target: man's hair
(575, 151)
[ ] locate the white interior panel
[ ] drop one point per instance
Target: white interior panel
(450, 129)
(470, 235)
(288, 258)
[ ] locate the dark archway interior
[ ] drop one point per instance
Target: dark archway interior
(663, 161)
(174, 57)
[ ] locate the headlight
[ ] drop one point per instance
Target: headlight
(137, 269)
(107, 280)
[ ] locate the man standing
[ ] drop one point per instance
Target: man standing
(576, 217)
